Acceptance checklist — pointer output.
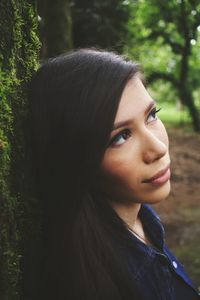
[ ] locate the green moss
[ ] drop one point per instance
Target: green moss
(19, 47)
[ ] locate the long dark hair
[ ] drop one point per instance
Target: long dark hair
(73, 103)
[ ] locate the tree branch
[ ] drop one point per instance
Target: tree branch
(176, 47)
(164, 76)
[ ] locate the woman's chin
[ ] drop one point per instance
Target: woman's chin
(160, 193)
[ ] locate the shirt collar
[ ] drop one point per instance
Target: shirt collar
(152, 225)
(145, 254)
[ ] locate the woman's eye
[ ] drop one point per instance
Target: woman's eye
(152, 116)
(120, 138)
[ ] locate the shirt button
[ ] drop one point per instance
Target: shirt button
(174, 264)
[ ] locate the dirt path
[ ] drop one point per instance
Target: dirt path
(180, 212)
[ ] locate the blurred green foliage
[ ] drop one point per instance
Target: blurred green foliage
(173, 113)
(165, 37)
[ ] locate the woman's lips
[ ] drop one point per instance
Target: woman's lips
(160, 178)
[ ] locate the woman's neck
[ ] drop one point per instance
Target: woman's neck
(127, 212)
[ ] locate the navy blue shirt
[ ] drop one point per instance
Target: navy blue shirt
(156, 272)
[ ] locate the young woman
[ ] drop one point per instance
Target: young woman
(101, 155)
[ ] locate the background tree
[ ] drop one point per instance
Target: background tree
(167, 38)
(100, 23)
(55, 27)
(18, 59)
(75, 23)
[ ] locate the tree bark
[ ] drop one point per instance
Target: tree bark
(186, 96)
(18, 60)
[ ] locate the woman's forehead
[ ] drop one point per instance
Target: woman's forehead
(134, 101)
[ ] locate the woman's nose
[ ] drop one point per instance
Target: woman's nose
(154, 147)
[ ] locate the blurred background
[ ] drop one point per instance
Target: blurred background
(164, 37)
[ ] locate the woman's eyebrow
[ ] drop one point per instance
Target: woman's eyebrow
(126, 122)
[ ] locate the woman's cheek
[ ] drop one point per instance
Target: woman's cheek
(162, 133)
(118, 171)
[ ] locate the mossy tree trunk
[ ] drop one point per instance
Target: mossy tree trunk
(19, 47)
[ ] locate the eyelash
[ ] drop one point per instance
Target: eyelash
(153, 113)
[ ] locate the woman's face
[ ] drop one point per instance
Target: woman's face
(137, 151)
